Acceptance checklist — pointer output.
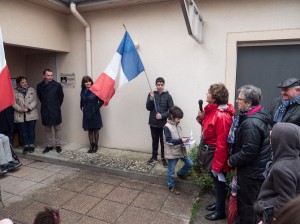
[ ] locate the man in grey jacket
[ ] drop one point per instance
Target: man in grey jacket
(158, 103)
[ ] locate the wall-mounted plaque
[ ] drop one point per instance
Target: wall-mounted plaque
(67, 80)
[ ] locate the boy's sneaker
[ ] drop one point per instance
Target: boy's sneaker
(174, 191)
(164, 162)
(152, 161)
(182, 177)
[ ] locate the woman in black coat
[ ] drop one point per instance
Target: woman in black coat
(90, 105)
(250, 149)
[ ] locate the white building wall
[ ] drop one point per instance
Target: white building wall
(166, 50)
(29, 25)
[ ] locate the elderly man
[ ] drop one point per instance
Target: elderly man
(287, 107)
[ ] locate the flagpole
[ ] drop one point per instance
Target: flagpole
(145, 73)
(144, 69)
(151, 91)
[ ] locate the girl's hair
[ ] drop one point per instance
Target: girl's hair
(84, 80)
(175, 112)
(48, 216)
(19, 79)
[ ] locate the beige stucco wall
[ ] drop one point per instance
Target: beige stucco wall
(26, 24)
(166, 50)
(15, 60)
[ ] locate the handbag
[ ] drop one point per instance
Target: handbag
(205, 156)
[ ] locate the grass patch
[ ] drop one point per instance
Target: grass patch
(194, 210)
(204, 180)
(197, 175)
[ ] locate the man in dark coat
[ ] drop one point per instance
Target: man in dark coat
(158, 103)
(287, 107)
(51, 96)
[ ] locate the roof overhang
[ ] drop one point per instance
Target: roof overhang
(62, 6)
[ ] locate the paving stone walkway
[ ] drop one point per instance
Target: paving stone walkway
(110, 186)
(84, 196)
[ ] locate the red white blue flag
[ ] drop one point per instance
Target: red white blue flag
(6, 90)
(125, 65)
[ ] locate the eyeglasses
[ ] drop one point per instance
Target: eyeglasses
(239, 99)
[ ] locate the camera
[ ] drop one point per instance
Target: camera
(268, 214)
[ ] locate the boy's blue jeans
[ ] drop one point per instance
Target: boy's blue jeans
(188, 164)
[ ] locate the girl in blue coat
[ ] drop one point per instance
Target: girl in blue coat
(90, 105)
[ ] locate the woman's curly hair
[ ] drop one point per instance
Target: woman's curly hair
(219, 93)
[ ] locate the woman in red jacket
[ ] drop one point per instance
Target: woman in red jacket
(216, 120)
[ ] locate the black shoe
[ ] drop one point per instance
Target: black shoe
(95, 148)
(182, 177)
(91, 148)
(215, 216)
(164, 162)
(47, 149)
(25, 150)
(211, 207)
(58, 149)
(152, 161)
(31, 149)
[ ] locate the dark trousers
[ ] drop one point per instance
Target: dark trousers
(27, 130)
(220, 194)
(157, 135)
(247, 195)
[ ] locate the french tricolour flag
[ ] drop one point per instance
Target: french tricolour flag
(6, 90)
(124, 66)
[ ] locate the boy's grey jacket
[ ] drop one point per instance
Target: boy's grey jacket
(173, 141)
(283, 180)
(163, 103)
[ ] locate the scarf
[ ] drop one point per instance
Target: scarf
(280, 112)
(22, 90)
(235, 124)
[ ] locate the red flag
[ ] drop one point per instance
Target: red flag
(6, 90)
(232, 208)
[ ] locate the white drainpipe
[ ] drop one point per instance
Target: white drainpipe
(87, 38)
